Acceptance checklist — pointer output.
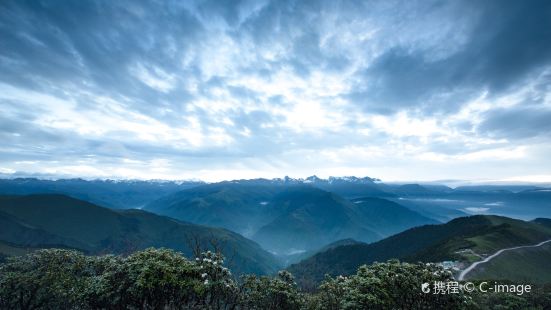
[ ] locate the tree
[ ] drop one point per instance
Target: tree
(164, 279)
(271, 293)
(390, 285)
(51, 279)
(149, 279)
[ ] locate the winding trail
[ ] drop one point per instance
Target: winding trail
(489, 258)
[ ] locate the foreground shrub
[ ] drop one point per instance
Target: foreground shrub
(164, 279)
(271, 293)
(391, 285)
(149, 279)
(47, 279)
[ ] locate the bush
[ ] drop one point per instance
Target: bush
(164, 279)
(149, 279)
(271, 293)
(391, 285)
(50, 279)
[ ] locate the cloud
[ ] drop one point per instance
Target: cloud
(266, 88)
(502, 46)
(518, 123)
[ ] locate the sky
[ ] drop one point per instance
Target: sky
(213, 90)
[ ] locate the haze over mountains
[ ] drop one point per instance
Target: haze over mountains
(333, 225)
(284, 217)
(125, 194)
(436, 201)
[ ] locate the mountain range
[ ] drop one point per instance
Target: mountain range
(319, 225)
(115, 194)
(288, 217)
(436, 201)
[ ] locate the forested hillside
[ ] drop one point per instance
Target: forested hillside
(46, 221)
(430, 243)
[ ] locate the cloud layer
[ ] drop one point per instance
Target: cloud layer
(409, 90)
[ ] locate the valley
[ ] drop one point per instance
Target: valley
(310, 226)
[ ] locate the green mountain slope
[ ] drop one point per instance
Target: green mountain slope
(287, 218)
(429, 243)
(46, 220)
(387, 217)
(527, 265)
(18, 232)
(299, 256)
(239, 207)
(312, 218)
(7, 249)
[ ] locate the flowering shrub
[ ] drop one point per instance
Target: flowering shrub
(164, 279)
(271, 293)
(390, 285)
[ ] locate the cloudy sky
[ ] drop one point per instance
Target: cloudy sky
(407, 90)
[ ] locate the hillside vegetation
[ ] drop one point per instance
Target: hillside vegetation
(45, 221)
(528, 265)
(164, 279)
(429, 243)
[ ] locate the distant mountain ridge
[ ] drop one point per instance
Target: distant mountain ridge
(309, 180)
(250, 207)
(115, 194)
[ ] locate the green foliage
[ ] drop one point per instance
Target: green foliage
(164, 279)
(538, 298)
(46, 279)
(148, 279)
(271, 293)
(391, 285)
